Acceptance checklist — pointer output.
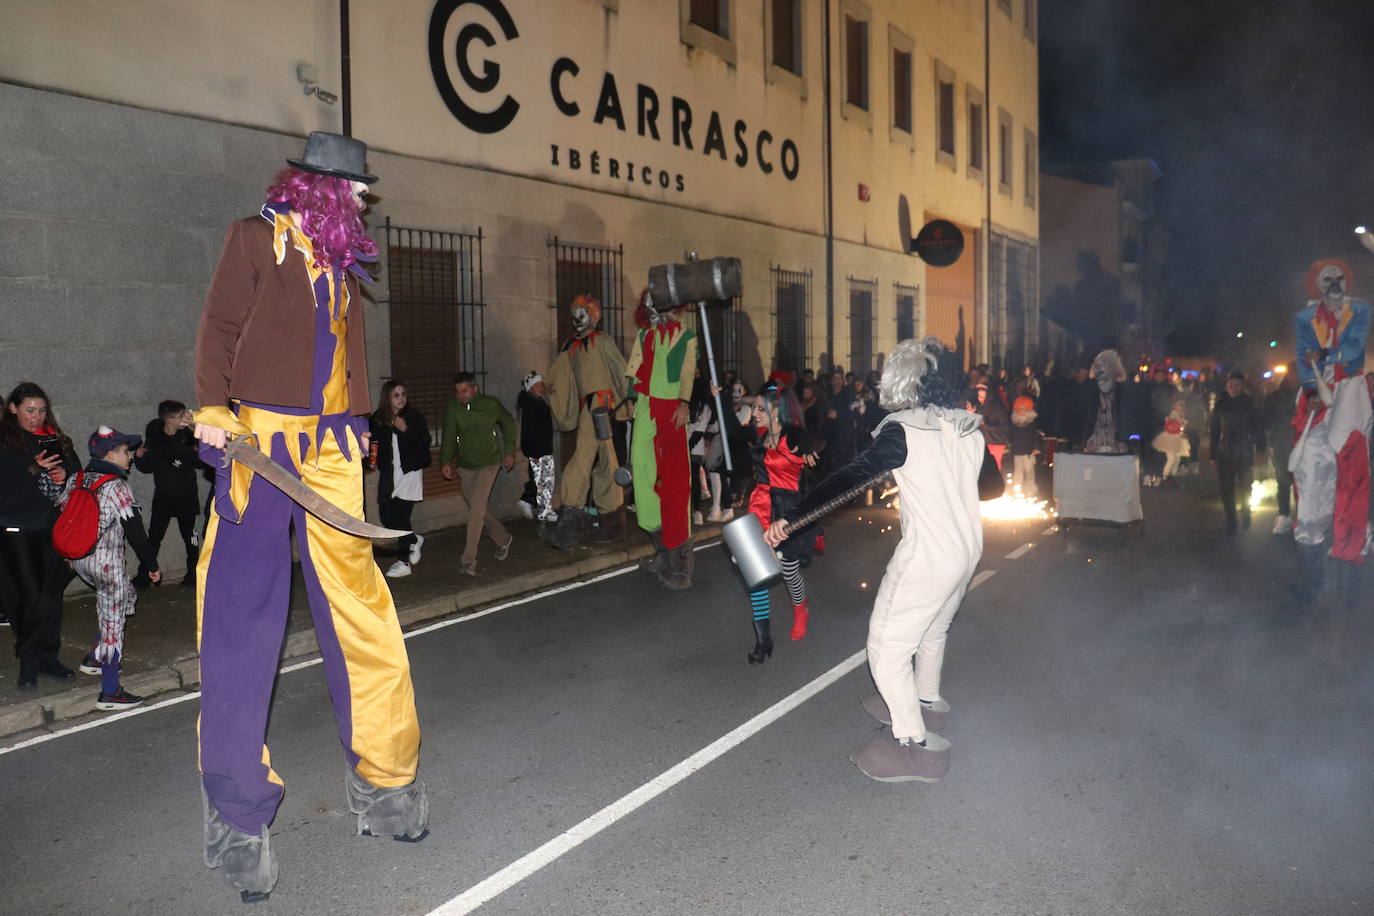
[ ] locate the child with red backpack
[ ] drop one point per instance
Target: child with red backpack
(102, 567)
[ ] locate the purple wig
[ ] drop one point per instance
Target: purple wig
(328, 214)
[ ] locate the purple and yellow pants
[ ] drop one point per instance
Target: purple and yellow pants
(244, 593)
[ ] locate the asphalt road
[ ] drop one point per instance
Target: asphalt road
(1141, 724)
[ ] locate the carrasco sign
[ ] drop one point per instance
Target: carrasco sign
(638, 108)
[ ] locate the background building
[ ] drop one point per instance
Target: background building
(1104, 261)
(527, 152)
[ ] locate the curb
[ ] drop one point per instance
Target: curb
(184, 673)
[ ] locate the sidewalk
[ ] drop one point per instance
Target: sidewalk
(160, 640)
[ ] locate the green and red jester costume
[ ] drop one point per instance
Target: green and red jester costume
(662, 368)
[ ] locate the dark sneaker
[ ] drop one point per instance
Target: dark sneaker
(89, 665)
(120, 699)
(28, 676)
(141, 582)
(54, 669)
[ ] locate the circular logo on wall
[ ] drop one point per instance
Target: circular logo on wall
(482, 83)
(939, 243)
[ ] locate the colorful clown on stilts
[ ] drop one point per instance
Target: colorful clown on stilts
(662, 368)
(280, 364)
(1330, 461)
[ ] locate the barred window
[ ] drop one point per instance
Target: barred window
(904, 299)
(588, 270)
(436, 305)
(861, 300)
(791, 298)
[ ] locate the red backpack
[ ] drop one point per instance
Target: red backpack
(78, 527)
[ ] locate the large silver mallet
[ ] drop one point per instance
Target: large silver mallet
(719, 279)
(758, 563)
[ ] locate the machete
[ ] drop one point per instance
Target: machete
(245, 453)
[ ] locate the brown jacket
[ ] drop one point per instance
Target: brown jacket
(257, 331)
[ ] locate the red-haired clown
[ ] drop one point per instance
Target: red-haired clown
(1330, 461)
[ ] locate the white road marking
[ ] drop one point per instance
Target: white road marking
(532, 862)
(1021, 551)
(1050, 530)
(311, 662)
(982, 577)
(517, 871)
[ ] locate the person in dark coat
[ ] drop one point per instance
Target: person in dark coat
(1237, 442)
(36, 458)
(1278, 433)
(400, 446)
(170, 453)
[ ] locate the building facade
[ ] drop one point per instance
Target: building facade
(527, 151)
(1104, 261)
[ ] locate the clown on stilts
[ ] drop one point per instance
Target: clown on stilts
(661, 370)
(587, 376)
(1330, 460)
(934, 449)
(280, 364)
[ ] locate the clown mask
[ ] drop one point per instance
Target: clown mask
(1331, 282)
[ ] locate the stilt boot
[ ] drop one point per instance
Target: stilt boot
(655, 563)
(800, 615)
(763, 643)
(677, 576)
(401, 813)
(568, 532)
(248, 863)
(888, 760)
(1348, 583)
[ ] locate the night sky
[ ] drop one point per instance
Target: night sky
(1259, 116)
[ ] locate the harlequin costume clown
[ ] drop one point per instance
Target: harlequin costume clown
(782, 449)
(589, 372)
(1330, 461)
(934, 449)
(280, 360)
(662, 368)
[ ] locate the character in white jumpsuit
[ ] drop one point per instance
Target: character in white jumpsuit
(934, 449)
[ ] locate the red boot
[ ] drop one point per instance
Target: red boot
(818, 544)
(799, 618)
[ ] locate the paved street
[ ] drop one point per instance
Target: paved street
(1141, 724)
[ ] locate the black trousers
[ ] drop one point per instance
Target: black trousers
(36, 577)
(1284, 478)
(395, 513)
(186, 524)
(1233, 476)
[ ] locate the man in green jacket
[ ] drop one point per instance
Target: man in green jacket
(471, 443)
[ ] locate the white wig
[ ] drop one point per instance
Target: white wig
(903, 374)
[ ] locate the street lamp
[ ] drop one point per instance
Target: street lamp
(1239, 335)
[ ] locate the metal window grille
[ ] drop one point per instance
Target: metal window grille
(906, 301)
(1012, 285)
(725, 319)
(588, 270)
(437, 307)
(791, 300)
(436, 303)
(862, 294)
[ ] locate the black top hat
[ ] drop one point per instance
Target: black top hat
(334, 155)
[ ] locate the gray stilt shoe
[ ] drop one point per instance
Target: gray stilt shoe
(677, 574)
(401, 812)
(934, 715)
(888, 760)
(655, 563)
(248, 863)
